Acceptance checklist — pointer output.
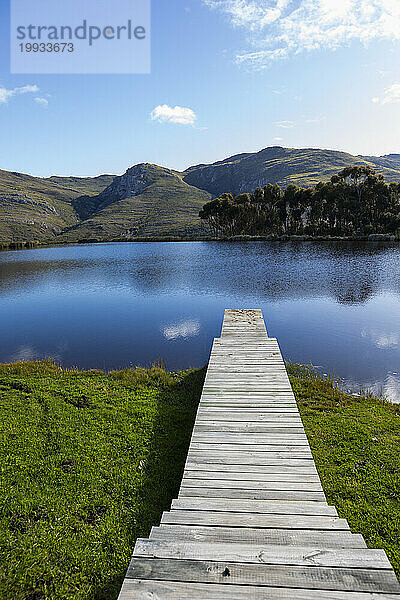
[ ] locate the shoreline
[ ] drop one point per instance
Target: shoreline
(29, 245)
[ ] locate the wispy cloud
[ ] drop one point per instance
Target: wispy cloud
(278, 29)
(390, 96)
(42, 101)
(177, 114)
(278, 139)
(285, 124)
(6, 95)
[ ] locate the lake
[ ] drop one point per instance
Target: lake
(109, 306)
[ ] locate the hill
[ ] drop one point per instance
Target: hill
(34, 208)
(152, 201)
(147, 201)
(303, 167)
(389, 161)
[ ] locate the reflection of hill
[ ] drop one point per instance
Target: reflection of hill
(349, 273)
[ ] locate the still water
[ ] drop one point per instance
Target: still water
(335, 305)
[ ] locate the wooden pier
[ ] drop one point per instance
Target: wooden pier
(251, 520)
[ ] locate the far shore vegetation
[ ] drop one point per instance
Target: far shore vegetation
(373, 239)
(91, 459)
(355, 203)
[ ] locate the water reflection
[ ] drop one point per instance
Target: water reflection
(115, 305)
(184, 329)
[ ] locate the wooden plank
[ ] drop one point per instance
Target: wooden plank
(288, 446)
(204, 415)
(244, 447)
(272, 521)
(256, 494)
(248, 401)
(254, 506)
(245, 404)
(263, 554)
(269, 463)
(245, 369)
(284, 396)
(322, 578)
(245, 418)
(141, 589)
(217, 412)
(278, 433)
(270, 427)
(253, 405)
(256, 377)
(226, 379)
(265, 477)
(251, 485)
(290, 442)
(251, 535)
(299, 466)
(248, 458)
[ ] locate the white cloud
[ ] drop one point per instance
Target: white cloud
(285, 124)
(27, 89)
(42, 101)
(281, 28)
(391, 95)
(6, 94)
(278, 139)
(177, 114)
(184, 329)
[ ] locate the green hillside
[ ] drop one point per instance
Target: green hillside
(33, 208)
(146, 201)
(303, 167)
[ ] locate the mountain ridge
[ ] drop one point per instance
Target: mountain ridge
(153, 201)
(275, 164)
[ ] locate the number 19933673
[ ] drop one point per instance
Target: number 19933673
(47, 47)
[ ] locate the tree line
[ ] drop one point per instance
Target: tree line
(355, 202)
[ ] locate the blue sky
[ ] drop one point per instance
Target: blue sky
(228, 76)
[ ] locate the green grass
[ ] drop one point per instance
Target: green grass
(88, 463)
(355, 443)
(90, 460)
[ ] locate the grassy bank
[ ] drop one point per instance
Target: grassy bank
(90, 460)
(356, 446)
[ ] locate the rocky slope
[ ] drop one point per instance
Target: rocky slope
(303, 167)
(147, 201)
(33, 208)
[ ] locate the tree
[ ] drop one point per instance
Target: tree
(356, 202)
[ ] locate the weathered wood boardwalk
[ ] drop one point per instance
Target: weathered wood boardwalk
(251, 520)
